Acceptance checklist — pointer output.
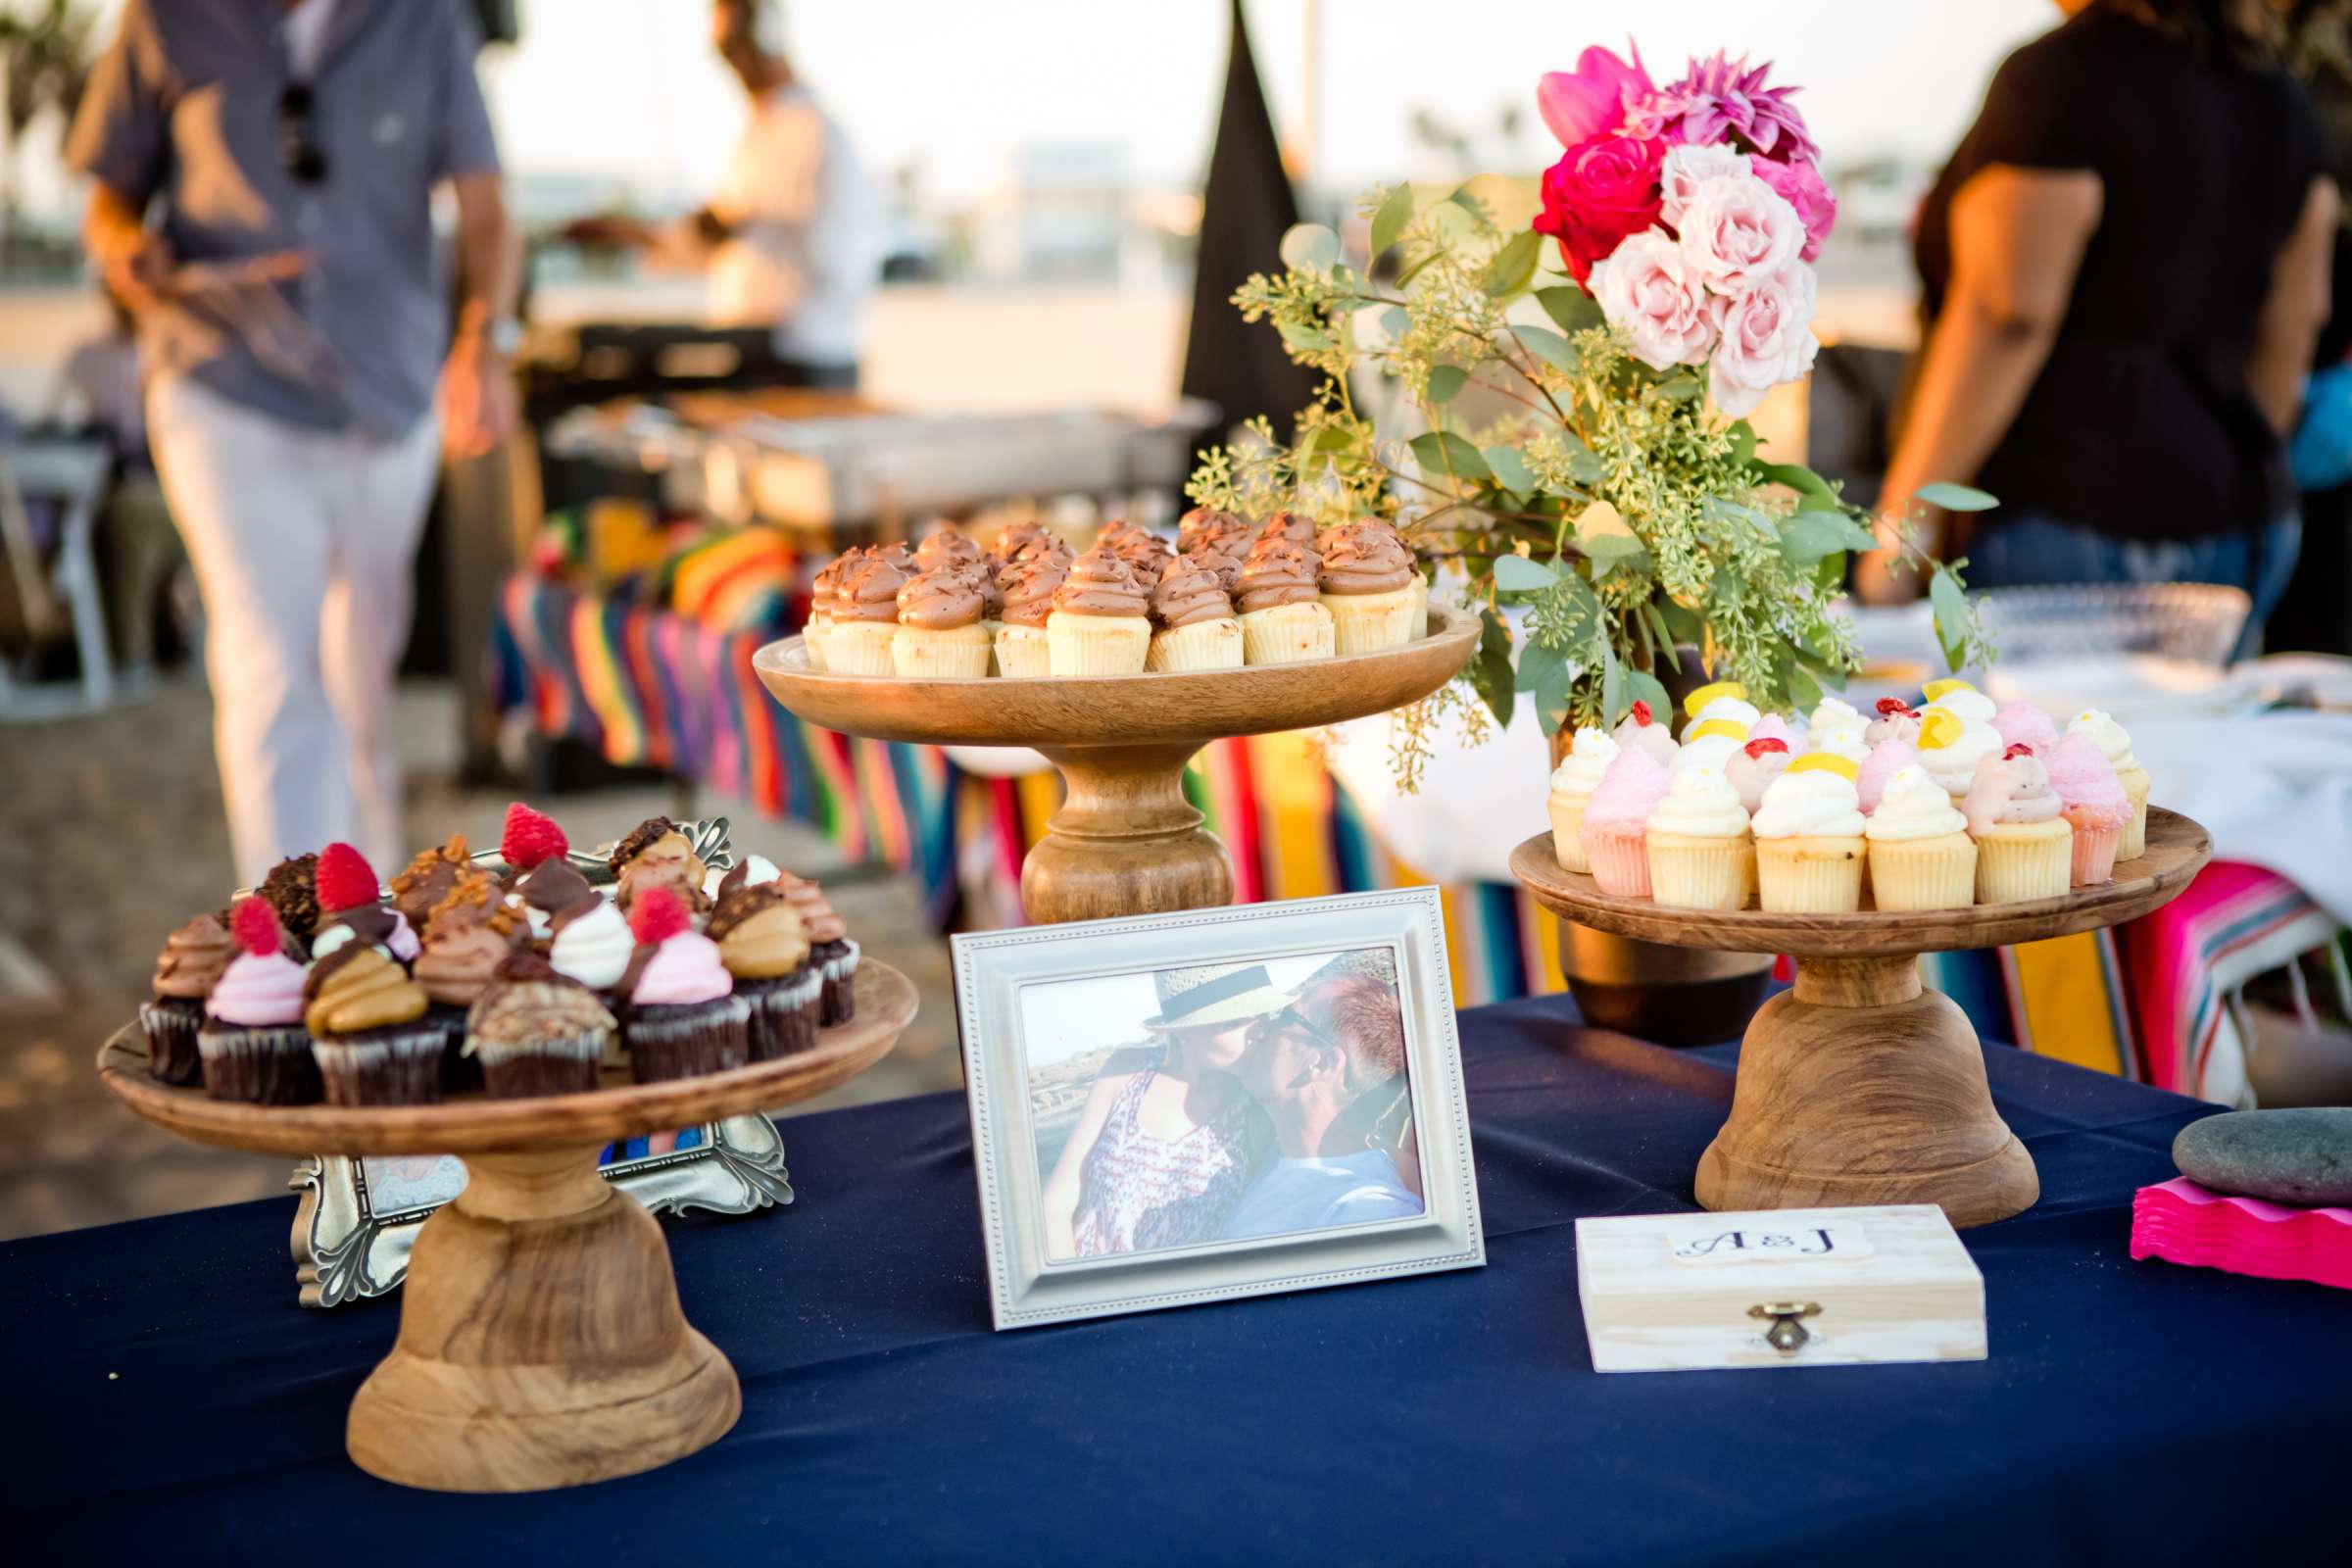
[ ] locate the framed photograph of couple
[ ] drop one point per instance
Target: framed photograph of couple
(1215, 1102)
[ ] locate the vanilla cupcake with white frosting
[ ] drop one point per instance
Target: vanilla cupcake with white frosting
(1951, 749)
(1921, 854)
(1572, 782)
(1700, 855)
(1809, 839)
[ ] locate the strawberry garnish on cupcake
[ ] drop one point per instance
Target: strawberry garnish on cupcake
(657, 916)
(2017, 749)
(352, 908)
(1769, 742)
(1889, 706)
(536, 851)
(529, 838)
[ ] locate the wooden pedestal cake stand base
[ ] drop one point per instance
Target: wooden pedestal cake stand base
(1856, 1086)
(541, 1341)
(1125, 841)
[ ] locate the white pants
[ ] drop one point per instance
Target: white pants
(301, 542)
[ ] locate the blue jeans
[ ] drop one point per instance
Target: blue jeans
(2033, 549)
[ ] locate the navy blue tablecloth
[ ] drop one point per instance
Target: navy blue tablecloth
(171, 1403)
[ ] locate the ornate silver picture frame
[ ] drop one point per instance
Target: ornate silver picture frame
(1300, 1062)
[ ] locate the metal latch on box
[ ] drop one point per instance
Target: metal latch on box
(1786, 1335)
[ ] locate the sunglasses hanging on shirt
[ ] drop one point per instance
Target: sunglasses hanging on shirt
(298, 151)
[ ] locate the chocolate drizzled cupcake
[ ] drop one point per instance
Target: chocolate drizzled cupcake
(417, 891)
(656, 854)
(1194, 626)
(1283, 619)
(185, 971)
(830, 948)
(765, 945)
(466, 936)
(369, 1031)
(535, 1032)
(1027, 588)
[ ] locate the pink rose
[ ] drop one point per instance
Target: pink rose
(1649, 290)
(1591, 100)
(1738, 231)
(1686, 169)
(1765, 338)
(1800, 185)
(1599, 191)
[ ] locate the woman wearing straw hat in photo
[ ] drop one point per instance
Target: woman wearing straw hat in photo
(1167, 1140)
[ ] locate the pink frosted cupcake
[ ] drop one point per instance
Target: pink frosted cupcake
(1780, 727)
(1616, 826)
(683, 1017)
(1752, 769)
(1886, 759)
(2095, 802)
(2021, 723)
(1641, 731)
(1898, 721)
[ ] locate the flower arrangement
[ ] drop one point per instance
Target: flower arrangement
(1588, 453)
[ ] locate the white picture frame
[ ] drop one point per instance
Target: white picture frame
(1004, 992)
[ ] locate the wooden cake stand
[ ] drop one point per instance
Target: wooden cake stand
(1857, 1086)
(541, 1343)
(1125, 841)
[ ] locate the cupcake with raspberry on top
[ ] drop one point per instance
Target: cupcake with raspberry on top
(253, 1044)
(682, 1017)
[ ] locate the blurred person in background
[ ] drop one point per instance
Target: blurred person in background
(2126, 265)
(263, 178)
(792, 237)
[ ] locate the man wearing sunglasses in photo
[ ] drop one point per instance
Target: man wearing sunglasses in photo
(263, 182)
(1329, 1071)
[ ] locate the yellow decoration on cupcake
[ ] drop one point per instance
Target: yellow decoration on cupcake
(1699, 699)
(1826, 763)
(1729, 729)
(1942, 688)
(1938, 728)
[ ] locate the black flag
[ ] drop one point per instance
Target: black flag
(1247, 206)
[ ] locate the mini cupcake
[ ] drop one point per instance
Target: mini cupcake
(1146, 555)
(866, 616)
(292, 890)
(899, 559)
(1572, 782)
(1700, 854)
(2092, 800)
(1898, 721)
(1119, 535)
(2021, 723)
(1014, 536)
(939, 625)
(590, 942)
(1616, 823)
(655, 854)
(1809, 844)
(824, 591)
(1222, 551)
(1099, 624)
(1291, 527)
(2115, 744)
(1370, 588)
(1725, 699)
(1754, 765)
(1709, 743)
(191, 964)
(539, 878)
(1641, 731)
(1206, 522)
(1886, 759)
(945, 547)
(352, 909)
(1197, 626)
(536, 1033)
(465, 940)
(2025, 846)
(419, 888)
(830, 948)
(683, 1018)
(1833, 716)
(1920, 855)
(1838, 741)
(1952, 750)
(1029, 586)
(982, 575)
(765, 945)
(252, 1045)
(1960, 700)
(368, 1030)
(1283, 619)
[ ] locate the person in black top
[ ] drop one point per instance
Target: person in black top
(2125, 263)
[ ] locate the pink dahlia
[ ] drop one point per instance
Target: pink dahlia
(1723, 97)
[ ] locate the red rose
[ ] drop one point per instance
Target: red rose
(1601, 191)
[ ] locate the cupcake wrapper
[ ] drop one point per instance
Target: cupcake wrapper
(1620, 863)
(397, 1065)
(1097, 645)
(2094, 854)
(172, 1024)
(861, 647)
(1367, 624)
(1696, 873)
(920, 654)
(2134, 842)
(1810, 875)
(459, 1072)
(688, 1040)
(258, 1067)
(1203, 645)
(838, 962)
(1022, 653)
(784, 1013)
(1288, 634)
(1420, 608)
(2018, 863)
(565, 1064)
(1567, 825)
(1937, 873)
(812, 638)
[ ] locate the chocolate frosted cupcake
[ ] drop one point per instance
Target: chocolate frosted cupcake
(823, 590)
(945, 547)
(1369, 585)
(939, 625)
(253, 1044)
(1099, 624)
(1205, 523)
(535, 1032)
(465, 940)
(1028, 588)
(292, 889)
(352, 909)
(866, 615)
(1146, 555)
(185, 972)
(1283, 619)
(419, 891)
(368, 1030)
(765, 945)
(830, 949)
(1119, 535)
(656, 855)
(682, 1017)
(1290, 526)
(1197, 625)
(1015, 537)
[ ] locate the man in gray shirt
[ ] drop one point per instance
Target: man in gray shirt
(263, 176)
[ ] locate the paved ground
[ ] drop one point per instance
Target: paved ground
(113, 835)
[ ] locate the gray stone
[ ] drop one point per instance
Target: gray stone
(2300, 1156)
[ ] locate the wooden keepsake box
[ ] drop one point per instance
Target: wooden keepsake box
(1792, 1287)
